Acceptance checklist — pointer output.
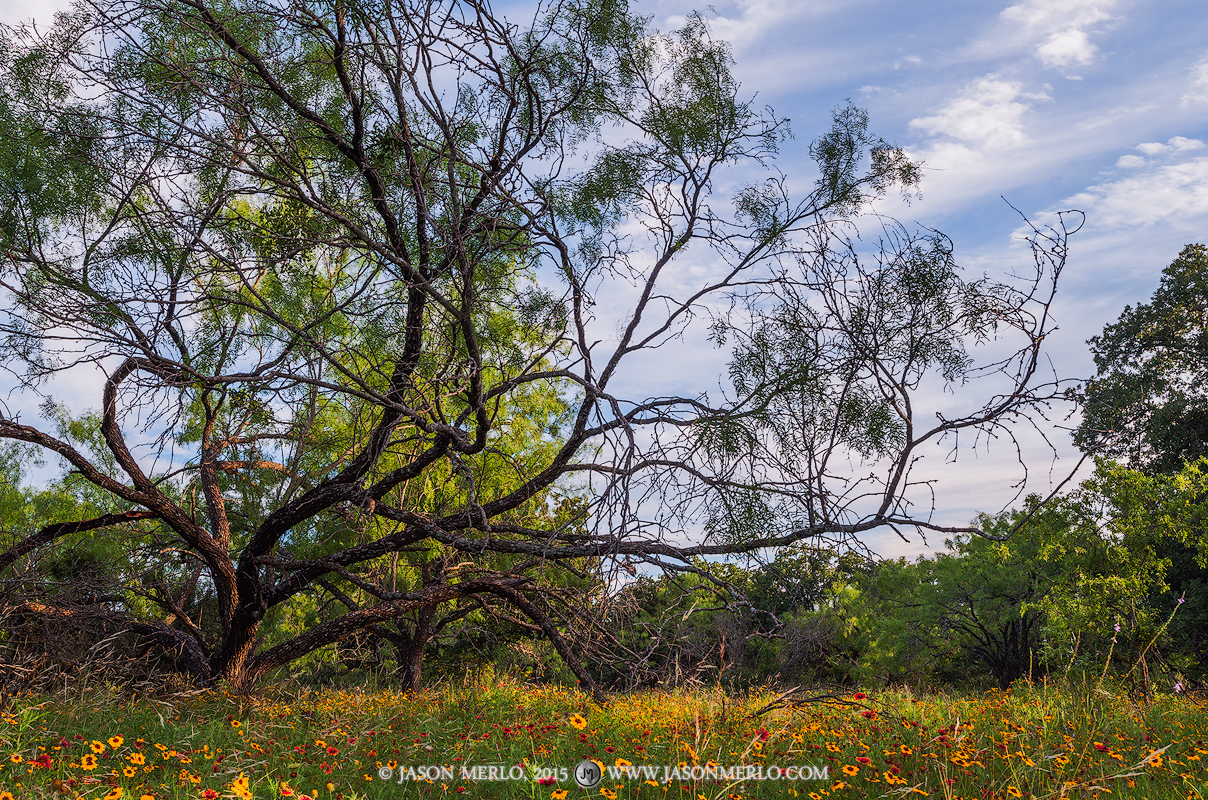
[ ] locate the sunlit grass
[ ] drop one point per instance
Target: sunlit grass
(1031, 742)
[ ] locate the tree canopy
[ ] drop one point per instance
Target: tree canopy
(1148, 402)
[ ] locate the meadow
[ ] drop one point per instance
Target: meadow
(1032, 741)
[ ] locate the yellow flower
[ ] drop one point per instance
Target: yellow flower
(236, 723)
(623, 763)
(129, 772)
(147, 797)
(850, 769)
(137, 758)
(578, 722)
(114, 794)
(116, 741)
(558, 794)
(609, 793)
(88, 762)
(97, 747)
(905, 750)
(1011, 790)
(16, 758)
(6, 796)
(331, 787)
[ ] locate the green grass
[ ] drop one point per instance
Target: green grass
(1034, 741)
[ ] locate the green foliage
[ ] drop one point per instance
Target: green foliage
(1148, 402)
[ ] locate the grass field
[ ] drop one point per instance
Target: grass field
(1031, 742)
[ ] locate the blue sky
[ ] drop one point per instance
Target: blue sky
(1100, 105)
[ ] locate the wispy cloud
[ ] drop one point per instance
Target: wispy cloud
(1061, 32)
(1176, 193)
(1198, 91)
(986, 115)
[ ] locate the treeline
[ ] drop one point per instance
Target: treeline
(1107, 583)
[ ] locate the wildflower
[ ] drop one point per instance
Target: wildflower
(609, 793)
(88, 762)
(116, 741)
(209, 794)
(623, 763)
(578, 722)
(558, 794)
(236, 723)
(1101, 747)
(285, 790)
(859, 696)
(6, 796)
(331, 787)
(1011, 790)
(137, 759)
(849, 769)
(114, 794)
(1116, 628)
(1178, 686)
(869, 714)
(129, 771)
(97, 747)
(864, 760)
(147, 797)
(16, 758)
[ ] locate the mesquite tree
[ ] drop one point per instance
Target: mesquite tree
(363, 282)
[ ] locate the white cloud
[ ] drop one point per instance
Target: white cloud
(1176, 144)
(1199, 84)
(757, 19)
(1130, 162)
(988, 115)
(1061, 31)
(1176, 193)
